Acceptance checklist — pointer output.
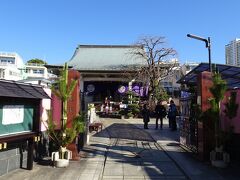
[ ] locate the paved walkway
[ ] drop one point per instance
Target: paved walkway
(169, 141)
(124, 150)
(133, 154)
(89, 167)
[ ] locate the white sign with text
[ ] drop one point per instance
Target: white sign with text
(13, 114)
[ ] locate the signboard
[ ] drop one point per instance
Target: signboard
(12, 114)
(16, 118)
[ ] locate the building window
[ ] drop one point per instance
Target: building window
(7, 60)
(38, 71)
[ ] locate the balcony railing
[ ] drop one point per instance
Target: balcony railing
(6, 64)
(34, 64)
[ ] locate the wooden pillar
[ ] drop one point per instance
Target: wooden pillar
(206, 126)
(73, 106)
(204, 83)
(73, 109)
(30, 154)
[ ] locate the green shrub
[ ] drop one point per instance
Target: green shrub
(134, 109)
(122, 112)
(61, 138)
(133, 106)
(129, 114)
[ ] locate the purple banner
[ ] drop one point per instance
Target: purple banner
(139, 90)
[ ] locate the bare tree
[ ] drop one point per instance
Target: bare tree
(159, 62)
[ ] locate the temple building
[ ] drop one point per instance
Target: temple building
(106, 71)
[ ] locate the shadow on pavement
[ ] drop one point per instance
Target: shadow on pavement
(154, 162)
(137, 152)
(45, 162)
(125, 131)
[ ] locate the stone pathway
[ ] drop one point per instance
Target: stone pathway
(133, 154)
(123, 150)
(89, 167)
(131, 159)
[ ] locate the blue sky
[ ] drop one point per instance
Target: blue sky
(52, 29)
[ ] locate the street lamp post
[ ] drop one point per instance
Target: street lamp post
(208, 45)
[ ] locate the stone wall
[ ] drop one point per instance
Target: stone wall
(14, 157)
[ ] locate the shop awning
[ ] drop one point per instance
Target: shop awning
(229, 73)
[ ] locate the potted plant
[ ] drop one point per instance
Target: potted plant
(62, 141)
(218, 157)
(63, 137)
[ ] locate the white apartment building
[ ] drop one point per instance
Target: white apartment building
(33, 70)
(169, 82)
(232, 52)
(10, 66)
(37, 74)
(188, 66)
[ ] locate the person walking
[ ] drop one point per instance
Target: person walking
(172, 113)
(146, 115)
(160, 111)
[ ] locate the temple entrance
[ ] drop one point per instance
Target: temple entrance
(99, 91)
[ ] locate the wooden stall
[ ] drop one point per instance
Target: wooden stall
(19, 124)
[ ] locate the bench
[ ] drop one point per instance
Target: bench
(95, 126)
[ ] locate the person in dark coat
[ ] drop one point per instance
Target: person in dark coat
(146, 115)
(160, 111)
(172, 113)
